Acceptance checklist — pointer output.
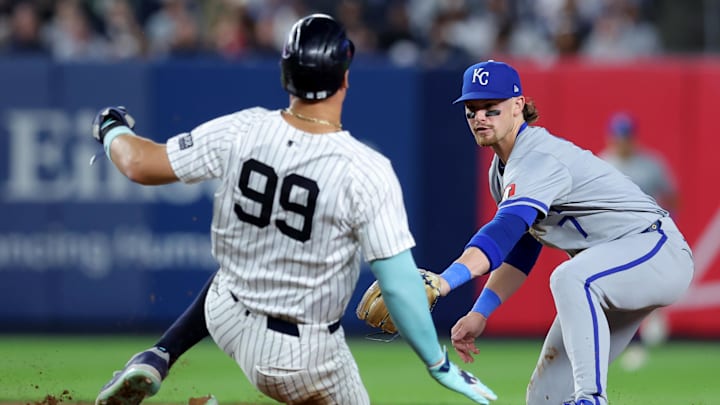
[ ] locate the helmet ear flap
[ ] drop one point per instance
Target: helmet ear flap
(346, 51)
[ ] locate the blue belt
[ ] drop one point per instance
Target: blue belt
(653, 227)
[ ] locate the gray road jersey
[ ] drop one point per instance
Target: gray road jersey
(583, 200)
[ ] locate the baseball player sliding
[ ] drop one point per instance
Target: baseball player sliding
(627, 257)
(298, 202)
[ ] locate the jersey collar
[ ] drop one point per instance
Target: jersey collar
(501, 165)
(522, 128)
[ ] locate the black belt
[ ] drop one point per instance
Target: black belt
(653, 227)
(287, 327)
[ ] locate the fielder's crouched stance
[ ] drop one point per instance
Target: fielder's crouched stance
(627, 257)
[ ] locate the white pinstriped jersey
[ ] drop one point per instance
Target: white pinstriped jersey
(293, 210)
(583, 200)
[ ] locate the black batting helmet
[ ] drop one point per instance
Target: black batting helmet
(315, 57)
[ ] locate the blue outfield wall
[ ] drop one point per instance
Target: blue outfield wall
(82, 249)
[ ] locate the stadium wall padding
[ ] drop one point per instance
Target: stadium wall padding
(84, 250)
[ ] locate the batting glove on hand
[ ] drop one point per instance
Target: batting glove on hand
(109, 118)
(452, 377)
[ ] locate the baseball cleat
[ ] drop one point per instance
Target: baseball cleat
(140, 378)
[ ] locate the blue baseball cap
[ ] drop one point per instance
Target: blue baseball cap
(621, 125)
(490, 80)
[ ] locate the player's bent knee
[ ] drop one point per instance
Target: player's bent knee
(282, 384)
(563, 279)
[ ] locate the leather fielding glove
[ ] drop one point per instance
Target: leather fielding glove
(374, 312)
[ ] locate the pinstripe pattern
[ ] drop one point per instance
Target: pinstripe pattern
(291, 216)
(316, 368)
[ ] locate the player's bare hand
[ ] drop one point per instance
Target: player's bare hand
(464, 332)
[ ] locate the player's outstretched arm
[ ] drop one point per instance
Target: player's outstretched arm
(502, 283)
(451, 376)
(404, 295)
(490, 246)
(140, 159)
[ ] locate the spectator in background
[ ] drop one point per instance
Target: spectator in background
(272, 20)
(524, 35)
(644, 167)
(439, 51)
(230, 31)
(648, 170)
(475, 30)
(123, 30)
(571, 30)
(352, 14)
(173, 30)
(566, 24)
(396, 38)
(404, 31)
(263, 36)
(24, 33)
(71, 35)
(230, 28)
(621, 33)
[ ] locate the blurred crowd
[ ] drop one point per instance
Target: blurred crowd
(408, 32)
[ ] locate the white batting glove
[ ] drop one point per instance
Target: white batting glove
(458, 380)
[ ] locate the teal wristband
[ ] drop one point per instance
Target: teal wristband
(487, 302)
(112, 134)
(456, 275)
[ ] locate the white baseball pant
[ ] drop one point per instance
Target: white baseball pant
(315, 367)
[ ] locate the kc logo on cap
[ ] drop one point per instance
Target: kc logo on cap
(480, 76)
(490, 80)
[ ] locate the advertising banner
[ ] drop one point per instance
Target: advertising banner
(673, 105)
(84, 249)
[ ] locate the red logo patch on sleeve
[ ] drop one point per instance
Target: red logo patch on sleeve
(509, 191)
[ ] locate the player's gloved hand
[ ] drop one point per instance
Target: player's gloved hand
(109, 118)
(464, 332)
(452, 377)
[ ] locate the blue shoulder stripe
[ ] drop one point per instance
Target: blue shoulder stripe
(540, 206)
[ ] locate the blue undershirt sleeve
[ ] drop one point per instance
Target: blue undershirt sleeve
(498, 237)
(526, 212)
(404, 295)
(525, 253)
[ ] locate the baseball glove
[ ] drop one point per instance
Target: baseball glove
(373, 311)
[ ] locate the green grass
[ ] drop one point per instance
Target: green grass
(31, 367)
